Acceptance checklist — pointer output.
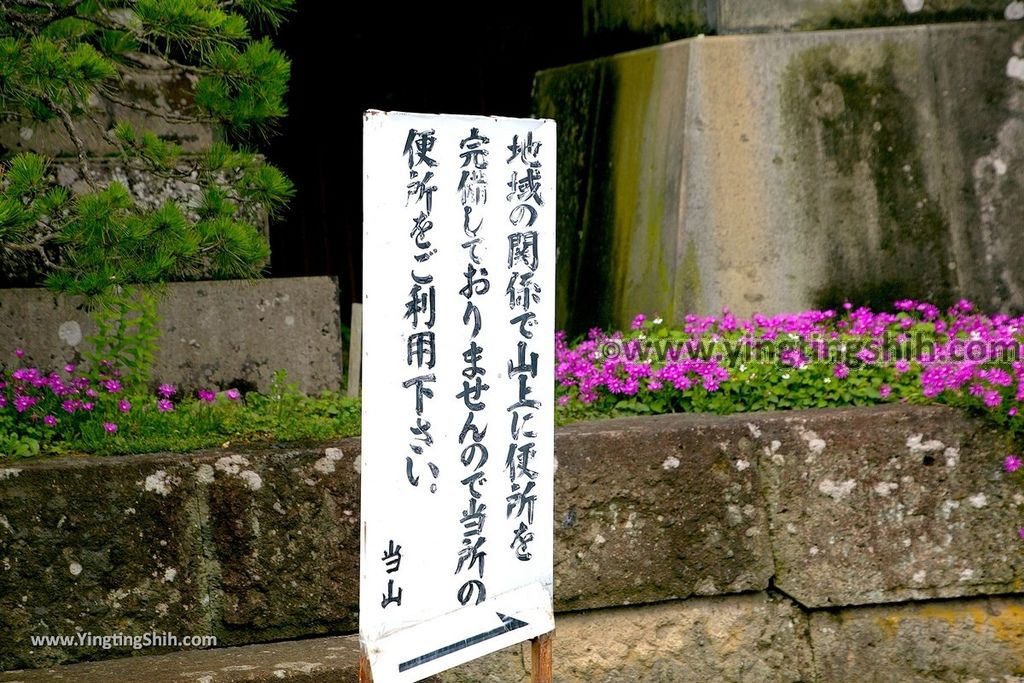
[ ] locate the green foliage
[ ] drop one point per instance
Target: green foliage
(126, 337)
(14, 446)
(284, 414)
(55, 55)
(245, 88)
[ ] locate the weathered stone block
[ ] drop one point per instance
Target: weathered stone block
(742, 16)
(100, 547)
(779, 172)
(652, 21)
(155, 99)
(751, 638)
(629, 23)
(285, 533)
(961, 640)
(212, 333)
(659, 508)
(149, 191)
(888, 504)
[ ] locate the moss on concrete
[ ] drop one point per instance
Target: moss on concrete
(854, 123)
(621, 25)
(866, 13)
(635, 76)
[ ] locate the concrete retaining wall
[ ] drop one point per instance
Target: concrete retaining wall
(776, 172)
(804, 546)
(213, 334)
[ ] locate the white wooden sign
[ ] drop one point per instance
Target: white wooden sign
(458, 350)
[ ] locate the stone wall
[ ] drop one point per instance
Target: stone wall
(657, 21)
(213, 334)
(838, 545)
(776, 172)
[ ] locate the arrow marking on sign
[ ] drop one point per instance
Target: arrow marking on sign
(508, 624)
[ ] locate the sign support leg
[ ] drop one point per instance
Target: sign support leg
(355, 351)
(365, 675)
(540, 658)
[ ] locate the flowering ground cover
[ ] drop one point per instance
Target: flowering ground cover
(69, 411)
(814, 359)
(719, 364)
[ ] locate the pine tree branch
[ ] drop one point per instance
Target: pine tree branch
(170, 117)
(34, 247)
(69, 126)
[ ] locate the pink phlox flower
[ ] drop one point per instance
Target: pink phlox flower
(23, 403)
(992, 398)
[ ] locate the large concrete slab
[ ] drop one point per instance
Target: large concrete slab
(959, 640)
(889, 504)
(101, 547)
(213, 334)
(629, 23)
(779, 172)
(669, 496)
(285, 533)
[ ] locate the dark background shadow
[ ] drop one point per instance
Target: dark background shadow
(444, 57)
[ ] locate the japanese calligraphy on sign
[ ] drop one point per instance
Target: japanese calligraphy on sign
(458, 348)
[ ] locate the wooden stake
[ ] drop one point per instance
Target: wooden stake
(365, 675)
(541, 659)
(355, 351)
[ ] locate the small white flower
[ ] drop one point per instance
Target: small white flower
(828, 380)
(785, 375)
(657, 321)
(743, 368)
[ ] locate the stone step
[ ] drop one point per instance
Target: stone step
(318, 660)
(760, 637)
(777, 172)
